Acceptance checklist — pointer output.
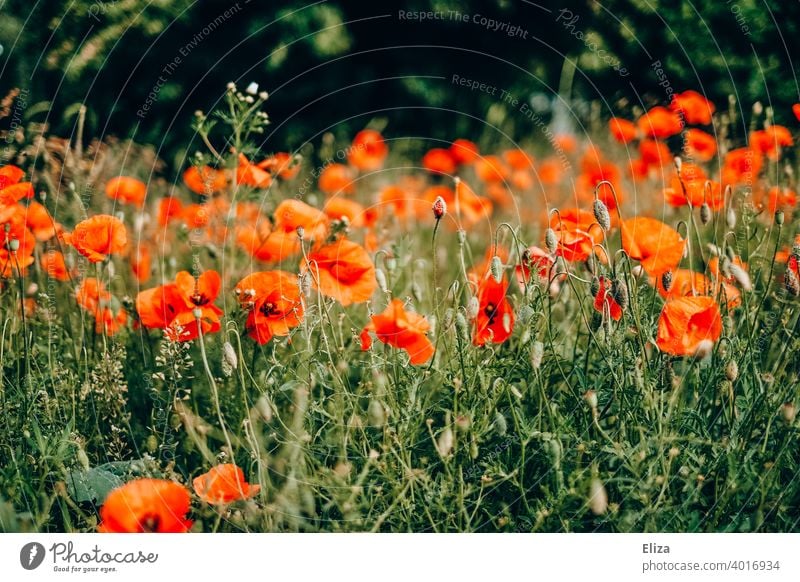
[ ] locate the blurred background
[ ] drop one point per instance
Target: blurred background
(337, 66)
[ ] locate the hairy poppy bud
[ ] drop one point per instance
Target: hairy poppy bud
(666, 280)
(741, 276)
(619, 292)
(462, 327)
(730, 218)
(601, 214)
(380, 277)
(439, 208)
(500, 425)
(537, 354)
(788, 412)
(594, 287)
(445, 442)
(791, 282)
(732, 370)
(449, 317)
(305, 284)
(473, 306)
(496, 268)
(705, 213)
(230, 355)
(551, 240)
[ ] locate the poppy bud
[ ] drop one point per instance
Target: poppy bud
(263, 408)
(788, 412)
(601, 214)
(462, 328)
(598, 497)
(391, 264)
(590, 396)
(380, 277)
(449, 316)
(732, 370)
(507, 322)
(730, 218)
(666, 280)
(551, 240)
(537, 354)
(500, 425)
(496, 268)
(705, 213)
(473, 306)
(741, 276)
(791, 282)
(594, 286)
(230, 355)
(445, 443)
(678, 164)
(619, 292)
(439, 208)
(376, 414)
(462, 236)
(779, 217)
(301, 232)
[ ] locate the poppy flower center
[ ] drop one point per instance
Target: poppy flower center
(491, 311)
(150, 523)
(269, 308)
(199, 299)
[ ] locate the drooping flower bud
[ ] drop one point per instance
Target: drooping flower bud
(473, 306)
(496, 268)
(598, 497)
(230, 355)
(537, 354)
(732, 370)
(705, 213)
(601, 214)
(551, 240)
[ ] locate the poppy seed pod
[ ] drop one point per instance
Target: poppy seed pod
(13, 245)
(439, 208)
(601, 214)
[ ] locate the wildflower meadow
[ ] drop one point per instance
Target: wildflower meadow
(576, 329)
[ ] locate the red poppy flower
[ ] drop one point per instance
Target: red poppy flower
(577, 232)
(53, 265)
(491, 169)
(464, 151)
(250, 174)
(742, 166)
(342, 270)
(689, 326)
(534, 261)
(169, 209)
(401, 329)
(126, 190)
(273, 300)
(606, 297)
(700, 145)
(146, 506)
(439, 161)
(495, 320)
(224, 484)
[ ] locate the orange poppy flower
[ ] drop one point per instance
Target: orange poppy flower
(400, 329)
(464, 151)
(91, 293)
(595, 170)
(146, 506)
(622, 130)
(10, 175)
(700, 145)
(491, 169)
(126, 190)
(462, 202)
(606, 297)
(577, 232)
(273, 300)
(342, 270)
(338, 208)
(495, 320)
(692, 187)
(11, 189)
(205, 180)
(566, 142)
(39, 221)
(550, 171)
(281, 164)
(784, 198)
(169, 209)
(742, 166)
(337, 179)
(99, 236)
(655, 245)
(769, 141)
(796, 110)
(109, 315)
(293, 214)
(265, 244)
(224, 484)
(439, 161)
(689, 326)
(368, 151)
(250, 174)
(684, 283)
(518, 159)
(54, 266)
(694, 108)
(14, 229)
(141, 263)
(660, 123)
(401, 203)
(655, 153)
